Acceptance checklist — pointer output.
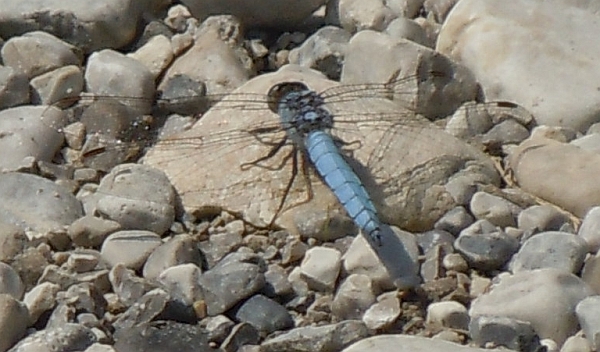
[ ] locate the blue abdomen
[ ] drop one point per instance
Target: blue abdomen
(344, 183)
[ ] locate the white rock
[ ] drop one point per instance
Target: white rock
(494, 40)
(321, 267)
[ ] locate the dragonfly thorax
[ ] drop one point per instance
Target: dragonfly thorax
(300, 109)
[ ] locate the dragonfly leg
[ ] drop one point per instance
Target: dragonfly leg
(288, 186)
(274, 150)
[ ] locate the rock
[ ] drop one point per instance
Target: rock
(556, 161)
(30, 132)
(576, 343)
(14, 319)
(241, 335)
(383, 313)
(542, 218)
(158, 336)
(178, 250)
(58, 85)
(536, 297)
(588, 312)
(126, 285)
(323, 51)
(471, 34)
(501, 331)
(36, 204)
(320, 268)
(67, 337)
(147, 308)
(454, 221)
(234, 278)
(485, 250)
(181, 282)
(263, 14)
(156, 54)
(403, 27)
(407, 343)
(40, 299)
(219, 36)
(12, 242)
(317, 338)
(14, 87)
(90, 231)
(590, 229)
(496, 210)
(449, 314)
(354, 296)
(356, 15)
(90, 27)
(10, 282)
(130, 248)
(563, 251)
(35, 53)
(264, 314)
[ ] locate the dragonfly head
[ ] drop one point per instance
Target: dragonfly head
(280, 93)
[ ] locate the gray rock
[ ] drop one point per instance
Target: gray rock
(431, 239)
(391, 55)
(542, 218)
(219, 36)
(159, 336)
(496, 210)
(333, 337)
(218, 327)
(501, 331)
(355, 16)
(455, 262)
(40, 299)
(264, 314)
(14, 87)
(449, 314)
(486, 250)
(323, 51)
(138, 197)
(576, 344)
(30, 132)
(506, 132)
(90, 27)
(12, 242)
(591, 272)
(35, 53)
(14, 319)
(36, 204)
(454, 221)
(277, 283)
(234, 278)
(130, 248)
(10, 282)
(354, 296)
(263, 14)
(178, 250)
(536, 297)
(90, 231)
(438, 8)
(126, 285)
(144, 310)
(588, 314)
(542, 156)
(558, 250)
(384, 313)
(590, 142)
(320, 268)
(406, 28)
(242, 334)
(590, 229)
(407, 343)
(293, 251)
(67, 337)
(181, 282)
(156, 54)
(58, 85)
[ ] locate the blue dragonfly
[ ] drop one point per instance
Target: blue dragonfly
(243, 158)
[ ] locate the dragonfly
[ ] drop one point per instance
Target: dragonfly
(241, 157)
